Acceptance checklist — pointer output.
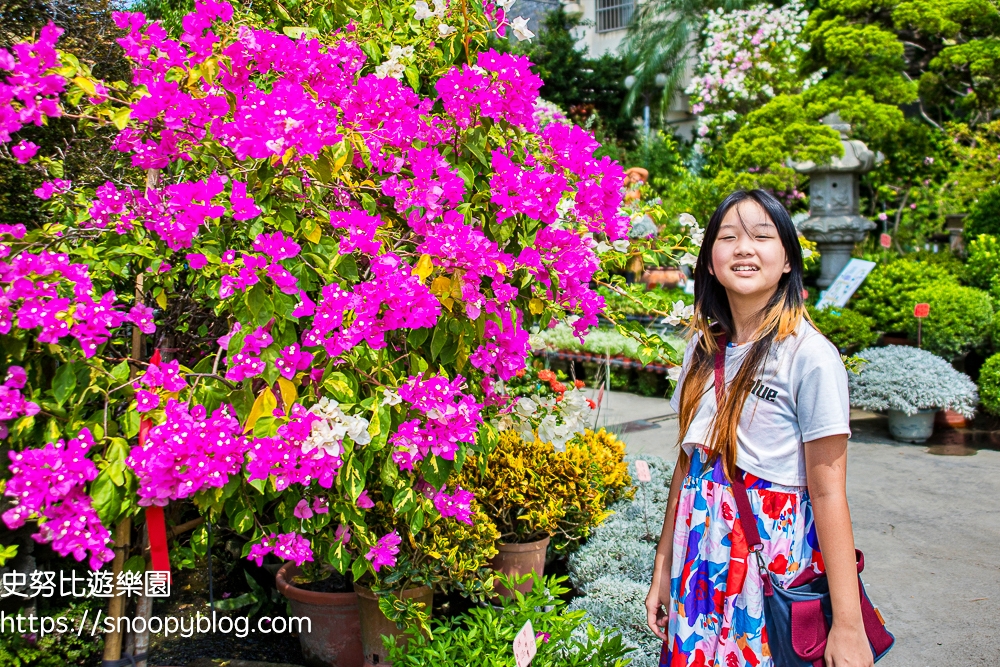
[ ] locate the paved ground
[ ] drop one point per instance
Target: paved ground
(929, 526)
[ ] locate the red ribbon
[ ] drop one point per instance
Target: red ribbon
(156, 525)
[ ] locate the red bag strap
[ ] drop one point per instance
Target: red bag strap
(743, 509)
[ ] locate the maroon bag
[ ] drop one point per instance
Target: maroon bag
(798, 618)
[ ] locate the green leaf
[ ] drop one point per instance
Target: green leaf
(359, 567)
(199, 541)
(120, 372)
(440, 338)
(136, 563)
(121, 117)
(64, 383)
(404, 500)
(339, 557)
(104, 495)
(243, 521)
(413, 77)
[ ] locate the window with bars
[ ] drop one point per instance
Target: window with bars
(614, 14)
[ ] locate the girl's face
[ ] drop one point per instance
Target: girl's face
(747, 256)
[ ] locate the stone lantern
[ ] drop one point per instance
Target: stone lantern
(834, 223)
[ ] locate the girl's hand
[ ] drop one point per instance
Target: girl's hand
(657, 599)
(847, 646)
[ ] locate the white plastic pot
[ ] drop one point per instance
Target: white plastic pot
(911, 428)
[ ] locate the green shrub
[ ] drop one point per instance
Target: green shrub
(885, 294)
(984, 217)
(984, 262)
(57, 649)
(483, 636)
(848, 330)
(960, 320)
(989, 385)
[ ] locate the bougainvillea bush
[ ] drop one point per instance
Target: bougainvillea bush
(297, 299)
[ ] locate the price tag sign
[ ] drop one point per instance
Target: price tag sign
(642, 471)
(922, 310)
(524, 646)
(885, 241)
(847, 282)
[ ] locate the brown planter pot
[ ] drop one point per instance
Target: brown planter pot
(950, 419)
(898, 340)
(662, 276)
(335, 636)
(518, 560)
(374, 624)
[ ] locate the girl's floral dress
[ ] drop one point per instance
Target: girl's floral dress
(716, 598)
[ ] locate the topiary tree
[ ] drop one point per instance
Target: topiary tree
(885, 294)
(960, 319)
(983, 265)
(847, 329)
(989, 385)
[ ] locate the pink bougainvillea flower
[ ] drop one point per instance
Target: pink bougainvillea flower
(457, 505)
(383, 554)
(302, 510)
(49, 188)
(244, 207)
(146, 401)
(364, 502)
(343, 534)
(142, 317)
(293, 360)
(24, 151)
(319, 505)
(196, 260)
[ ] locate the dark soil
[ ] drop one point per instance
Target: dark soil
(336, 583)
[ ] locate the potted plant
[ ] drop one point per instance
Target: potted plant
(331, 605)
(483, 636)
(543, 499)
(911, 385)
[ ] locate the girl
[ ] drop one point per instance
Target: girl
(784, 420)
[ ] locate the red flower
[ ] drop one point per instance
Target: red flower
(779, 565)
(579, 384)
(774, 503)
(520, 373)
(557, 387)
(546, 376)
(591, 404)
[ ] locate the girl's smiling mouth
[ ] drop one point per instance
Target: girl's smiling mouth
(745, 268)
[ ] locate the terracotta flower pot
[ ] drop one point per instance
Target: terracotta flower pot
(335, 636)
(374, 624)
(518, 560)
(668, 277)
(950, 419)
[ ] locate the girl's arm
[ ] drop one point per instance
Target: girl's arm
(826, 472)
(659, 589)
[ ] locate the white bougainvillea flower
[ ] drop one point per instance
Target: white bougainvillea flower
(520, 28)
(444, 29)
(621, 245)
(689, 259)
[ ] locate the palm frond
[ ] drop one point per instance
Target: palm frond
(663, 35)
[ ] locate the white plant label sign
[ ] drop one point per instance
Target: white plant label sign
(847, 282)
(525, 647)
(642, 471)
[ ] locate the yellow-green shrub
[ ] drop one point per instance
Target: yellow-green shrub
(530, 491)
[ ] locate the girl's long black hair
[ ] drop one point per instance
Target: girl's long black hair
(713, 317)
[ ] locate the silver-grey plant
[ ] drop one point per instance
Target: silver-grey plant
(908, 379)
(615, 565)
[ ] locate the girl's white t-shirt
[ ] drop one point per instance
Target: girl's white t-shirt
(800, 395)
